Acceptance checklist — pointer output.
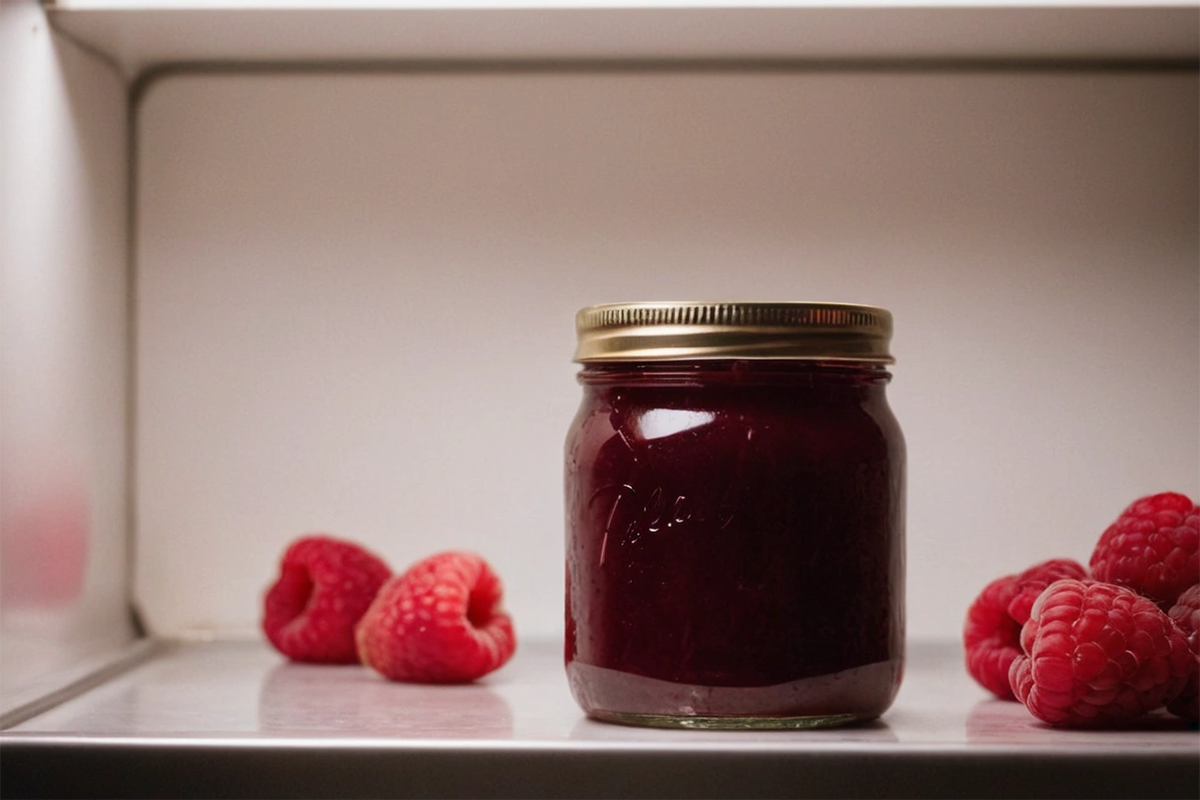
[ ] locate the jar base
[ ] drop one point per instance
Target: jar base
(728, 723)
(857, 694)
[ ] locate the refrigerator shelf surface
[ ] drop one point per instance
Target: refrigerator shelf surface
(233, 718)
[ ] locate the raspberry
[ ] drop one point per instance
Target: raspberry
(1097, 654)
(992, 633)
(1152, 548)
(439, 622)
(325, 586)
(1186, 614)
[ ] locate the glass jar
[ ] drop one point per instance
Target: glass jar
(734, 516)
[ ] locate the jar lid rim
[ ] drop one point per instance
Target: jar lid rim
(695, 330)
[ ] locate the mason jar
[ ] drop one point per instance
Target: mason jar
(735, 487)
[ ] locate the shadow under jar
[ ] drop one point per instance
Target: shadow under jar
(734, 516)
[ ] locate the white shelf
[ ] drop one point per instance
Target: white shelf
(141, 36)
(234, 719)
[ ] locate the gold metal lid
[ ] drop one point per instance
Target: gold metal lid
(687, 331)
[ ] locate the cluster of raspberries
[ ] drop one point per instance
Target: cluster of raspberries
(440, 621)
(1101, 648)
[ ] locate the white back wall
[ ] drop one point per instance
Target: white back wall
(355, 297)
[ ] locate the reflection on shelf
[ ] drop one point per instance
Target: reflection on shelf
(311, 698)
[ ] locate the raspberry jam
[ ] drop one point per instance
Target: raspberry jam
(735, 525)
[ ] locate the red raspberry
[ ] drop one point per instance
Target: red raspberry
(439, 622)
(325, 586)
(1153, 548)
(1098, 654)
(1186, 615)
(992, 633)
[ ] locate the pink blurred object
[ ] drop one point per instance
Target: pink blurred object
(43, 549)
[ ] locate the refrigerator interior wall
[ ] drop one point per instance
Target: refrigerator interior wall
(141, 35)
(64, 316)
(355, 294)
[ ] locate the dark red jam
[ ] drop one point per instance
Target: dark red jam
(735, 543)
